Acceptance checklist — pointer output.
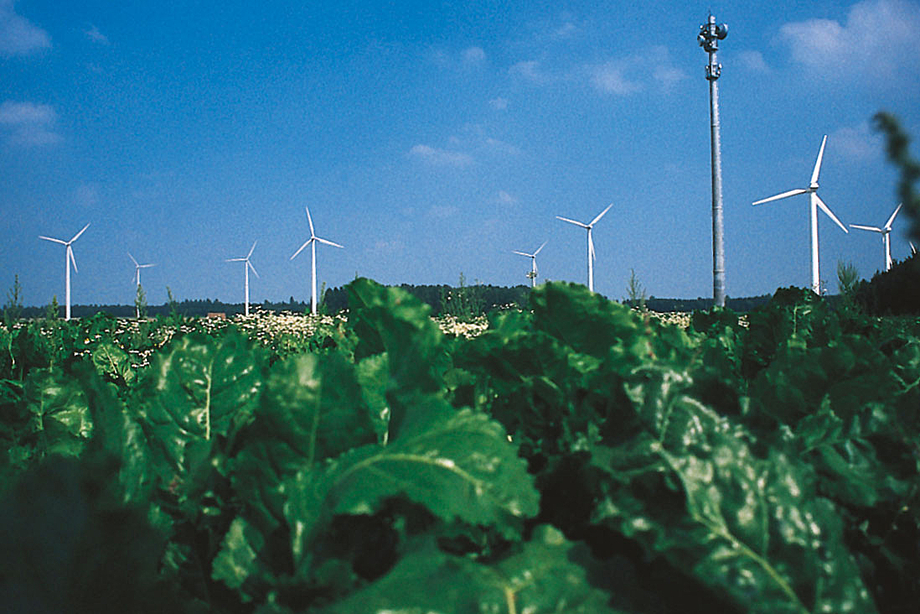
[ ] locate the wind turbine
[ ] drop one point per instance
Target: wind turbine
(885, 232)
(591, 255)
(137, 277)
(533, 264)
(312, 243)
(68, 260)
(246, 268)
(815, 202)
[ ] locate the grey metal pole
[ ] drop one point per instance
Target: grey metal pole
(709, 37)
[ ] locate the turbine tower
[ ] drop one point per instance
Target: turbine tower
(815, 203)
(68, 260)
(137, 278)
(885, 232)
(246, 268)
(533, 265)
(312, 243)
(709, 37)
(591, 254)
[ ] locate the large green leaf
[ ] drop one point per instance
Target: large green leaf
(312, 409)
(460, 465)
(238, 557)
(112, 361)
(690, 489)
(195, 390)
(538, 579)
(62, 421)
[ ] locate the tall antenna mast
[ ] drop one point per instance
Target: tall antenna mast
(709, 37)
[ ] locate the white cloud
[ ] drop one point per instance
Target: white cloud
(93, 34)
(626, 76)
(19, 36)
(502, 147)
(530, 70)
(753, 61)
(28, 123)
(443, 211)
(611, 78)
(86, 195)
(857, 143)
(499, 104)
(566, 30)
(474, 55)
(441, 157)
(879, 37)
(504, 198)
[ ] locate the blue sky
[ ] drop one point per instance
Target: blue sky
(432, 139)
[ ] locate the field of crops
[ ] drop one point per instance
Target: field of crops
(576, 456)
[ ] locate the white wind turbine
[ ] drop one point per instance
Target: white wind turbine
(246, 268)
(591, 255)
(68, 260)
(816, 202)
(312, 243)
(533, 264)
(137, 278)
(885, 232)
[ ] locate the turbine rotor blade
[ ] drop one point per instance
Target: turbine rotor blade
(600, 215)
(328, 242)
(301, 248)
(249, 264)
(565, 219)
(72, 259)
(891, 219)
(310, 220)
(77, 236)
(795, 192)
(872, 228)
(235, 260)
(591, 254)
(539, 248)
(817, 170)
(132, 259)
(523, 254)
(251, 249)
(53, 240)
(829, 213)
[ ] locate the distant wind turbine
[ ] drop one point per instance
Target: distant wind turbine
(246, 268)
(533, 264)
(68, 260)
(591, 255)
(137, 278)
(885, 232)
(815, 200)
(312, 243)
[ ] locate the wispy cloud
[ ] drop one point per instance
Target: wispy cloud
(878, 37)
(753, 61)
(441, 157)
(499, 104)
(18, 35)
(627, 75)
(504, 198)
(857, 143)
(530, 70)
(28, 123)
(93, 34)
(443, 211)
(473, 55)
(497, 146)
(86, 195)
(611, 77)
